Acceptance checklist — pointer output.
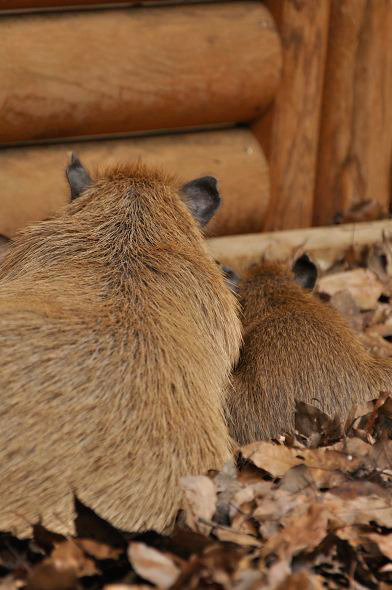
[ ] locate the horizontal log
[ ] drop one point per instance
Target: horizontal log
(33, 185)
(35, 4)
(60, 4)
(239, 252)
(75, 73)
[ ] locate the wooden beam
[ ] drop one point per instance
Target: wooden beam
(33, 184)
(289, 130)
(356, 126)
(239, 252)
(88, 73)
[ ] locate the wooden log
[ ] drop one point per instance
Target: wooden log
(33, 185)
(355, 134)
(239, 252)
(35, 4)
(138, 69)
(11, 5)
(289, 130)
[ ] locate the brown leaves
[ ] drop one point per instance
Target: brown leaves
(61, 569)
(290, 515)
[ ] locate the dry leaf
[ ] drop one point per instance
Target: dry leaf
(230, 534)
(299, 533)
(319, 428)
(98, 550)
(384, 543)
(303, 580)
(153, 566)
(360, 509)
(362, 284)
(322, 463)
(200, 501)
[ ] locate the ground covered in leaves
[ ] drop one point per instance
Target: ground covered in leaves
(309, 511)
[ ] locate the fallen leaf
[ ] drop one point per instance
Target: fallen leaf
(362, 509)
(200, 501)
(230, 534)
(319, 428)
(98, 550)
(362, 284)
(322, 463)
(69, 555)
(303, 580)
(299, 533)
(384, 542)
(152, 565)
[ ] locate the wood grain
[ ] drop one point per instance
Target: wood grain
(356, 126)
(289, 130)
(74, 74)
(239, 252)
(33, 185)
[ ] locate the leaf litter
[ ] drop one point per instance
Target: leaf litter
(310, 511)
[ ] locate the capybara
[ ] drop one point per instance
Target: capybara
(295, 347)
(117, 337)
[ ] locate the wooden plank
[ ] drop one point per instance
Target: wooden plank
(239, 252)
(137, 69)
(289, 130)
(33, 184)
(356, 126)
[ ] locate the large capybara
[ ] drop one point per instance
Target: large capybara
(117, 337)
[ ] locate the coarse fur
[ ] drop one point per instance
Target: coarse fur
(295, 347)
(117, 337)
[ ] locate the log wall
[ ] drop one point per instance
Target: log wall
(34, 186)
(75, 74)
(310, 79)
(35, 4)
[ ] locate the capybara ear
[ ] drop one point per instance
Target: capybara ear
(202, 198)
(305, 272)
(77, 176)
(231, 278)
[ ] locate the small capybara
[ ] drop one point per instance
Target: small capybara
(295, 347)
(117, 337)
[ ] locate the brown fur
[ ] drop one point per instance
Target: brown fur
(295, 347)
(117, 336)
